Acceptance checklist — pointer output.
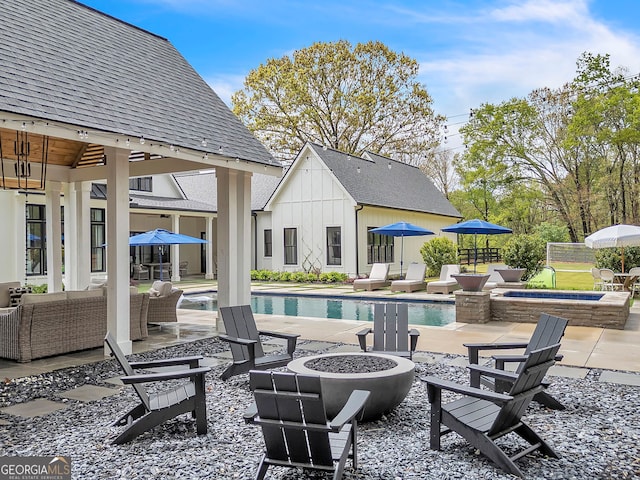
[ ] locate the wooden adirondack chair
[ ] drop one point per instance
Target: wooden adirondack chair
(246, 348)
(549, 330)
(290, 409)
(483, 416)
(391, 332)
(156, 408)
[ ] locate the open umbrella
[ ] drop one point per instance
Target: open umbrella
(161, 238)
(476, 226)
(402, 229)
(615, 236)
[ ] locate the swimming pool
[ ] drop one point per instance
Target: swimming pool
(420, 313)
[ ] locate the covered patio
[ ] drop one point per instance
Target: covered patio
(86, 97)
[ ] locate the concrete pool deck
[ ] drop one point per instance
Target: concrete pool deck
(582, 347)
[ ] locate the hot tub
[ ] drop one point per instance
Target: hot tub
(590, 309)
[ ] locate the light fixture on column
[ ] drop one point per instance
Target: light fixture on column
(23, 165)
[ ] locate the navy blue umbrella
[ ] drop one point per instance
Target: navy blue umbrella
(161, 237)
(476, 226)
(402, 229)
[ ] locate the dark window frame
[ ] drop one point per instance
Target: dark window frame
(98, 239)
(268, 242)
(291, 249)
(334, 245)
(380, 248)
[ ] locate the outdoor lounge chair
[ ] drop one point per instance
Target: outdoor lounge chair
(246, 348)
(377, 278)
(549, 330)
(494, 276)
(156, 408)
(446, 284)
(391, 332)
(290, 409)
(413, 280)
(482, 416)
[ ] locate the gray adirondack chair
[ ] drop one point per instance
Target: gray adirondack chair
(483, 416)
(156, 408)
(290, 409)
(391, 332)
(549, 331)
(243, 337)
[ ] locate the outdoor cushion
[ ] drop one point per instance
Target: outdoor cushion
(71, 294)
(15, 294)
(4, 292)
(29, 298)
(160, 289)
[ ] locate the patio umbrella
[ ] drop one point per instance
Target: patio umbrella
(161, 237)
(402, 229)
(615, 236)
(476, 226)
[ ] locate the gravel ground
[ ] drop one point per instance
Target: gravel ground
(597, 437)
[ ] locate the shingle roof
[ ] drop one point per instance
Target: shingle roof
(202, 188)
(63, 61)
(402, 186)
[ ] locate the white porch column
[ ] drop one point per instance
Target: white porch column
(118, 246)
(234, 237)
(210, 265)
(54, 236)
(77, 235)
(175, 250)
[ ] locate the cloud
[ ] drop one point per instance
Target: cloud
(225, 86)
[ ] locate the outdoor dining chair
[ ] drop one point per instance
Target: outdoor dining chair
(609, 280)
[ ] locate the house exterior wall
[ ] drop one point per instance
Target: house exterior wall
(263, 222)
(310, 201)
(373, 217)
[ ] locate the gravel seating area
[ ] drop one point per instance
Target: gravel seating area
(597, 437)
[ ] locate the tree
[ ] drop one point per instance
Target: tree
(364, 98)
(441, 171)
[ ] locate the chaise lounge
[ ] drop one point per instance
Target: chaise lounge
(377, 278)
(447, 283)
(413, 280)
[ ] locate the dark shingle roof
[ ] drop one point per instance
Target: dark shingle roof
(402, 186)
(63, 61)
(201, 187)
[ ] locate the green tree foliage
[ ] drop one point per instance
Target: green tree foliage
(437, 252)
(525, 251)
(353, 99)
(551, 232)
(612, 258)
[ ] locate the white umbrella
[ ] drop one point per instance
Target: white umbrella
(615, 236)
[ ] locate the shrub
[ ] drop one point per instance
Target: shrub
(438, 252)
(333, 277)
(525, 251)
(612, 258)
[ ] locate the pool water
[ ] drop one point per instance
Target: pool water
(594, 297)
(420, 313)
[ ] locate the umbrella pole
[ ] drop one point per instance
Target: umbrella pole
(622, 248)
(401, 253)
(475, 251)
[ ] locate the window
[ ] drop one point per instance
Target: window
(290, 246)
(141, 184)
(98, 233)
(334, 246)
(379, 247)
(268, 243)
(36, 261)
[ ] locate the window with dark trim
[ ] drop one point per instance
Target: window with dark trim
(98, 235)
(140, 184)
(268, 243)
(334, 246)
(36, 248)
(379, 247)
(290, 246)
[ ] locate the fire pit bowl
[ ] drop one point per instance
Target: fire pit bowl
(387, 377)
(471, 282)
(511, 274)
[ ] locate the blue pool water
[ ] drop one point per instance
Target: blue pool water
(420, 313)
(555, 295)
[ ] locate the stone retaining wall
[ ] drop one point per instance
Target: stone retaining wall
(611, 311)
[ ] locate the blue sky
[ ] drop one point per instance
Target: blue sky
(470, 51)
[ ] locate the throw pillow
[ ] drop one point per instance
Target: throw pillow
(15, 294)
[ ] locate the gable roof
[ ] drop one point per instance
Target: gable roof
(383, 182)
(63, 61)
(202, 188)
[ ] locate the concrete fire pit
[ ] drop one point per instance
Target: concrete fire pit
(388, 385)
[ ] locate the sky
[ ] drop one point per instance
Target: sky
(470, 51)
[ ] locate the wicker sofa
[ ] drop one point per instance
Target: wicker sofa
(63, 322)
